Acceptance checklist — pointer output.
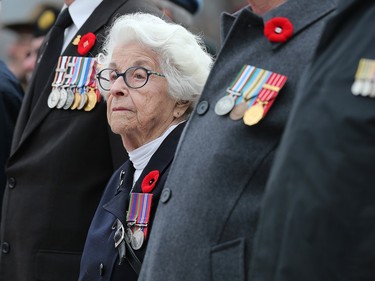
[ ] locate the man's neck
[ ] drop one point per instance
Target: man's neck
(261, 7)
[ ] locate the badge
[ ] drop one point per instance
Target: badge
(364, 83)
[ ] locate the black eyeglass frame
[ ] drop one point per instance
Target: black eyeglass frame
(99, 77)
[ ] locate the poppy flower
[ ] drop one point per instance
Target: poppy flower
(278, 29)
(86, 43)
(149, 181)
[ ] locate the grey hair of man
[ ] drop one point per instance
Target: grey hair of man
(182, 56)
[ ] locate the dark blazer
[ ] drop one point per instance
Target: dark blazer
(317, 221)
(206, 228)
(100, 258)
(60, 163)
(11, 95)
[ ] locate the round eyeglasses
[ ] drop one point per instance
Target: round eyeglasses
(135, 77)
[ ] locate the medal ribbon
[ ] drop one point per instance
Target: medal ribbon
(82, 75)
(60, 72)
(77, 70)
(269, 90)
(139, 210)
(254, 85)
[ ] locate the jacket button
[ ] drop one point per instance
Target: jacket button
(101, 269)
(11, 182)
(165, 195)
(202, 107)
(5, 248)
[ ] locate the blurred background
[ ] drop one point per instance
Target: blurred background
(17, 15)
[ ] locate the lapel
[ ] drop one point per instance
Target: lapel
(95, 24)
(302, 14)
(160, 161)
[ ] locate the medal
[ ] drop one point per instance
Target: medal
(364, 79)
(63, 98)
(137, 239)
(53, 98)
(238, 111)
(77, 101)
(69, 99)
(83, 101)
(91, 100)
(224, 105)
(254, 114)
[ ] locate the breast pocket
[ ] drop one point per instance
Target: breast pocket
(227, 261)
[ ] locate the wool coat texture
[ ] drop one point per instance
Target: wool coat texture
(205, 230)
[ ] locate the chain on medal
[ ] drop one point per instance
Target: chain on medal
(63, 97)
(53, 98)
(224, 105)
(137, 239)
(254, 114)
(77, 100)
(92, 99)
(69, 100)
(238, 111)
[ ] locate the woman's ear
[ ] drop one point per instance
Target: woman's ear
(181, 108)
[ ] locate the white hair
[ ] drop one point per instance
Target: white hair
(182, 58)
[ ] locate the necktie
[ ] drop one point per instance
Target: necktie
(49, 58)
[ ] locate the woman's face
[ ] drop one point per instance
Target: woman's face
(138, 115)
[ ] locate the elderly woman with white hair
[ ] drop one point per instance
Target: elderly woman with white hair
(152, 73)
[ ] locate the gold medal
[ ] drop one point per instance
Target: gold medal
(238, 111)
(77, 100)
(92, 99)
(254, 114)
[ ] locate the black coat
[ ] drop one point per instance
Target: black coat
(317, 219)
(11, 95)
(100, 258)
(60, 163)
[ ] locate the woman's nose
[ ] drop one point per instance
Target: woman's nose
(118, 88)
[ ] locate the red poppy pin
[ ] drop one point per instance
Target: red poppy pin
(278, 29)
(149, 181)
(86, 43)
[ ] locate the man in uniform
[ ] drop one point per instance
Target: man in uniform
(208, 210)
(63, 152)
(317, 220)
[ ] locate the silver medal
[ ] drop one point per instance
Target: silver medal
(357, 87)
(69, 99)
(137, 239)
(224, 105)
(83, 101)
(53, 98)
(63, 97)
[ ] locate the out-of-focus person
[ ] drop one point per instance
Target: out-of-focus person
(40, 28)
(11, 95)
(63, 151)
(184, 12)
(153, 83)
(208, 212)
(318, 213)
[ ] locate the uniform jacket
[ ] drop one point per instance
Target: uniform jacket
(206, 228)
(317, 221)
(100, 258)
(11, 95)
(60, 163)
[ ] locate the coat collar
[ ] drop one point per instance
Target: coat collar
(160, 161)
(308, 13)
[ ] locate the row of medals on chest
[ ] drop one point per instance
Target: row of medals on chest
(80, 94)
